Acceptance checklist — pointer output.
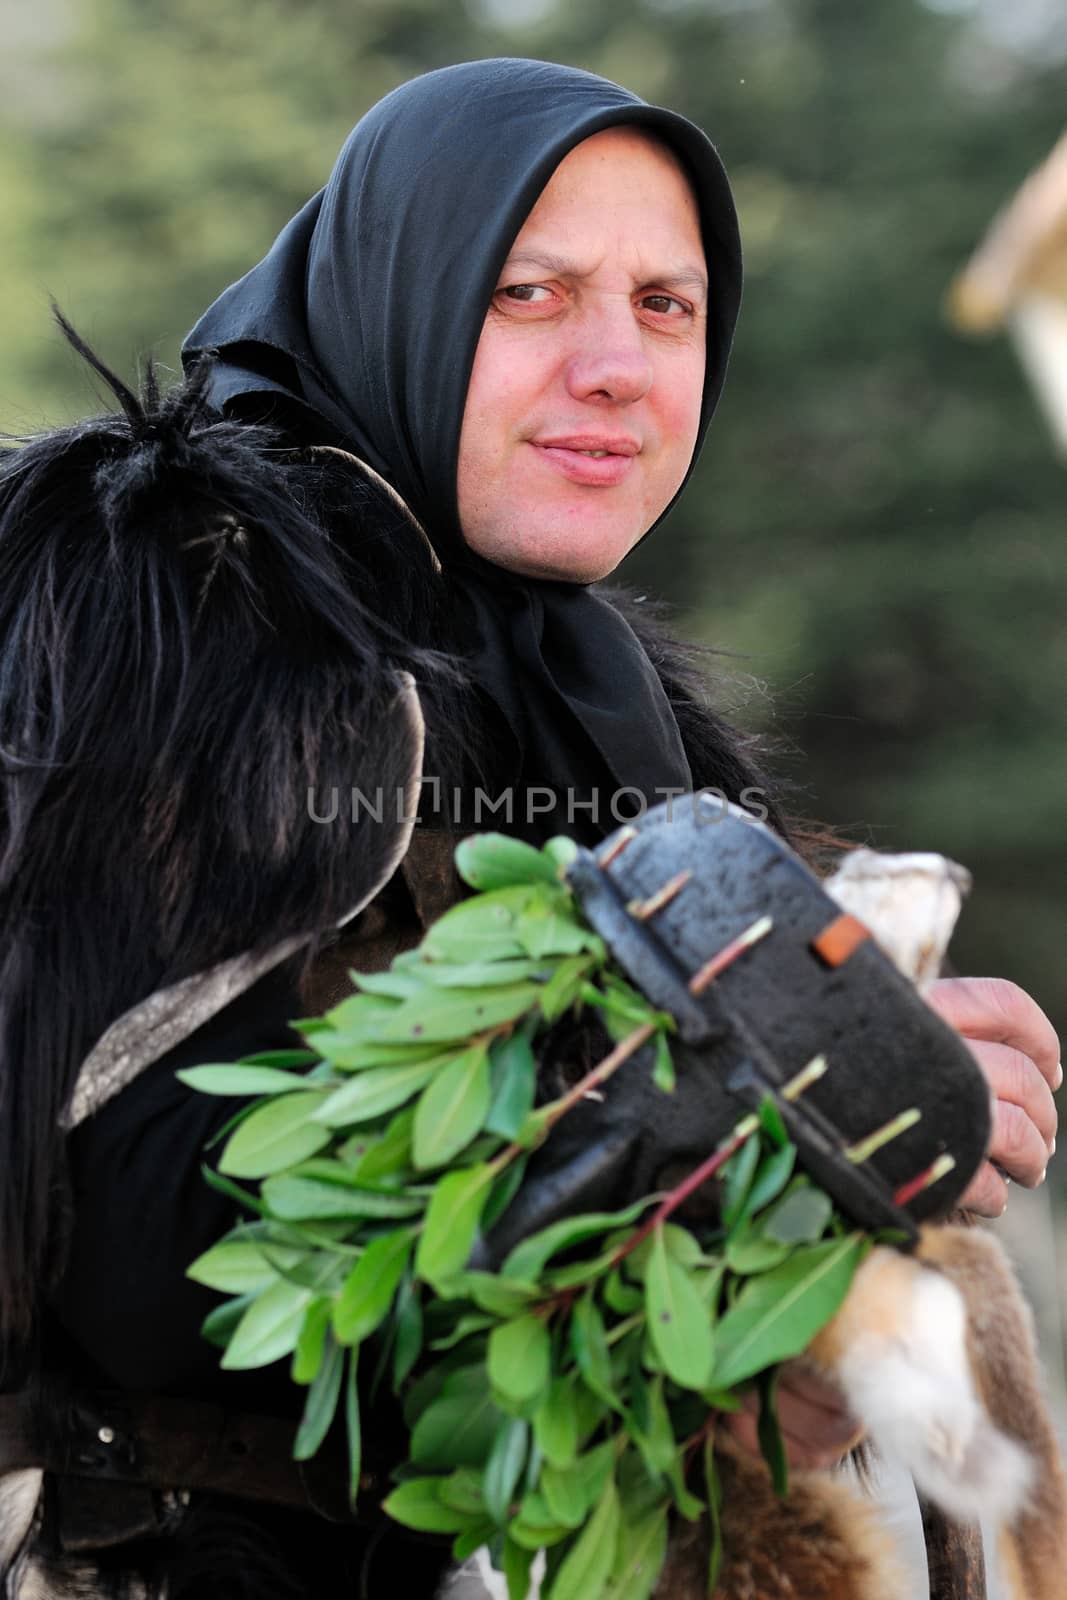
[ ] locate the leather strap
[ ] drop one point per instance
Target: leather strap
(159, 1443)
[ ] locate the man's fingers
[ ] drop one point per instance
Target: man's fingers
(1016, 1080)
(998, 1010)
(1017, 1146)
(987, 1195)
(817, 1428)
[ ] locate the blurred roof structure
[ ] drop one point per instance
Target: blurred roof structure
(1017, 279)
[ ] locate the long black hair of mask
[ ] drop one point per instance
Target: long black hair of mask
(185, 657)
(366, 314)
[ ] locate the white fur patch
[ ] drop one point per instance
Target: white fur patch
(19, 1494)
(914, 1393)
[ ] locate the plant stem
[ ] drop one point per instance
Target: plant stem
(552, 1113)
(707, 1169)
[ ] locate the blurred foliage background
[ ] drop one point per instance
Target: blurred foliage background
(875, 529)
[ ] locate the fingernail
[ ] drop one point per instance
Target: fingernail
(1059, 1076)
(1052, 1146)
(1043, 1175)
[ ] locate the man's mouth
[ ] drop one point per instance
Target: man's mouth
(592, 463)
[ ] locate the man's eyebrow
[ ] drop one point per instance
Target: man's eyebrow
(679, 277)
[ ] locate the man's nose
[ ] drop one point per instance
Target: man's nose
(611, 363)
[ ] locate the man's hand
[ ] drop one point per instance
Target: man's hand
(817, 1428)
(1018, 1049)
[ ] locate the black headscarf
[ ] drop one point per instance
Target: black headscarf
(367, 311)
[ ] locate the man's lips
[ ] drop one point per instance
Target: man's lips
(588, 459)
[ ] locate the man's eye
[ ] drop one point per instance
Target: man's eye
(526, 292)
(664, 304)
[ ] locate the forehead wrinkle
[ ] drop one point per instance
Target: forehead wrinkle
(680, 276)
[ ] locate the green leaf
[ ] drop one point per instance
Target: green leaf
(590, 1347)
(503, 1469)
(663, 1075)
(451, 1223)
(321, 1403)
(682, 1246)
(641, 1552)
(769, 1433)
(464, 1328)
(519, 1357)
(357, 1053)
(555, 1423)
(513, 1082)
(550, 927)
(776, 1315)
(527, 1260)
(238, 1080)
(561, 851)
(218, 1326)
(479, 974)
(800, 1218)
(679, 1323)
(269, 1328)
(713, 1488)
(295, 1199)
(280, 1058)
(534, 1528)
(240, 1266)
(462, 1490)
(358, 1015)
(385, 1155)
(690, 1506)
(452, 1014)
(774, 1172)
(503, 1297)
(451, 1111)
(409, 1332)
(564, 1492)
(457, 1429)
(353, 1426)
(368, 1291)
(565, 984)
(504, 1191)
(473, 1538)
(748, 1251)
(772, 1124)
(620, 1296)
(378, 1090)
(275, 1136)
(655, 1435)
(737, 1178)
(494, 861)
(479, 929)
(517, 1564)
(588, 1564)
(311, 1344)
(418, 1504)
(232, 1191)
(391, 985)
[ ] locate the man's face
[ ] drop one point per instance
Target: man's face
(585, 394)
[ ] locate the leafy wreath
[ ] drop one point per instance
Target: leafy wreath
(567, 1402)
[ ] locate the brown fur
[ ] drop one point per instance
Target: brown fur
(821, 1541)
(1006, 1365)
(824, 1539)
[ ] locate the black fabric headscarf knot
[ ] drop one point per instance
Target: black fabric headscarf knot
(367, 311)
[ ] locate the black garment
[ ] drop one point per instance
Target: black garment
(367, 312)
